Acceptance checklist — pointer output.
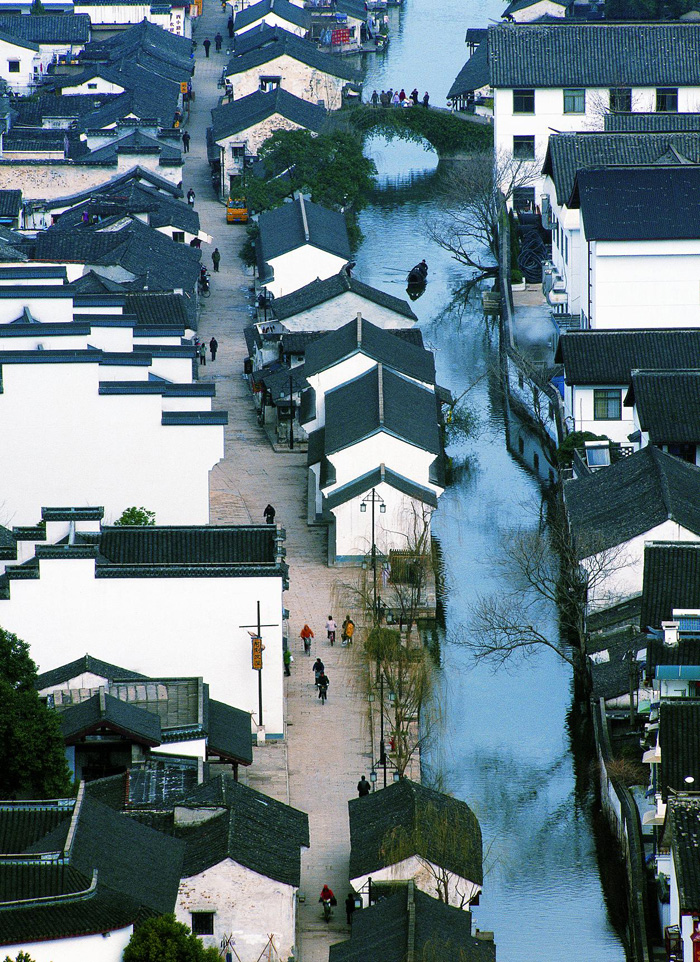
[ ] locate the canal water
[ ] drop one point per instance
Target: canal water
(503, 745)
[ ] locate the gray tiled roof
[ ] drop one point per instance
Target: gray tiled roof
(569, 153)
(410, 412)
(668, 405)
(10, 203)
(671, 580)
(473, 76)
(683, 828)
(609, 357)
(22, 825)
(105, 711)
(256, 831)
(594, 54)
(157, 309)
(282, 230)
(658, 653)
(133, 197)
(651, 123)
(281, 8)
(207, 546)
(242, 114)
(320, 291)
(229, 732)
(379, 344)
(679, 740)
(362, 485)
(406, 922)
(94, 666)
(142, 37)
(47, 28)
(278, 43)
(422, 814)
(642, 203)
(632, 497)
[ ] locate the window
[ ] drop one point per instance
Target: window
(238, 151)
(270, 83)
(621, 100)
(13, 66)
(607, 404)
(524, 198)
(667, 100)
(523, 101)
(523, 147)
(92, 86)
(203, 923)
(179, 236)
(574, 100)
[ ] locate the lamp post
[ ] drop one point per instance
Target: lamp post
(373, 498)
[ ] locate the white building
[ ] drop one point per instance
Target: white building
(598, 368)
(665, 406)
(242, 868)
(19, 63)
(48, 38)
(375, 455)
(240, 127)
(325, 305)
(298, 243)
(273, 13)
(568, 76)
(173, 15)
(186, 594)
(525, 11)
(271, 57)
(647, 496)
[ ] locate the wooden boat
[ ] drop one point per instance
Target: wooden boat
(418, 275)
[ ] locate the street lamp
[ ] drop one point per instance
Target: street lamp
(373, 498)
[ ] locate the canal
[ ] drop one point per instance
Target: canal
(503, 745)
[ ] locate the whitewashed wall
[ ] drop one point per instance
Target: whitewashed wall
(250, 907)
(400, 527)
(580, 406)
(192, 625)
(333, 377)
(626, 574)
(22, 82)
(75, 446)
(414, 868)
(272, 19)
(88, 948)
(645, 284)
(251, 140)
(302, 81)
(333, 313)
(49, 180)
(301, 266)
(544, 8)
(382, 448)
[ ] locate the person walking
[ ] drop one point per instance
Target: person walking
(384, 98)
(203, 354)
(396, 100)
(186, 143)
(207, 45)
(230, 27)
(375, 98)
(349, 907)
(218, 40)
(318, 669)
(363, 787)
(402, 96)
(213, 347)
(190, 197)
(331, 628)
(323, 684)
(216, 259)
(414, 96)
(269, 514)
(426, 99)
(306, 634)
(287, 659)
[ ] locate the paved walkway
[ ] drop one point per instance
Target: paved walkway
(326, 750)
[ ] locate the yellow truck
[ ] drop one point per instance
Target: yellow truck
(237, 211)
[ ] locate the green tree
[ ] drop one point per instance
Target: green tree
(34, 762)
(163, 939)
(136, 516)
(22, 957)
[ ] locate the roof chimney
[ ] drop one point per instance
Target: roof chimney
(380, 379)
(304, 221)
(359, 328)
(670, 629)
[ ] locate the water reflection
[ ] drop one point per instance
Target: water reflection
(504, 747)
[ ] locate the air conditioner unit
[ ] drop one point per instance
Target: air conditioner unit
(546, 208)
(557, 293)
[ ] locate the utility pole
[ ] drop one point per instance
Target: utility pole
(257, 658)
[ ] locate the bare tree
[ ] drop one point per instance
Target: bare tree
(469, 206)
(547, 569)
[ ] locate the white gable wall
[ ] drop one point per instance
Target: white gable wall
(383, 448)
(21, 81)
(248, 906)
(52, 412)
(337, 311)
(414, 868)
(272, 19)
(400, 527)
(87, 948)
(579, 403)
(192, 624)
(301, 266)
(543, 8)
(304, 82)
(324, 381)
(53, 179)
(626, 564)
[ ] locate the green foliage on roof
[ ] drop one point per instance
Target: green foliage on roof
(137, 516)
(34, 764)
(445, 132)
(163, 938)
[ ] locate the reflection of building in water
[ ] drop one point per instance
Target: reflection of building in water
(527, 446)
